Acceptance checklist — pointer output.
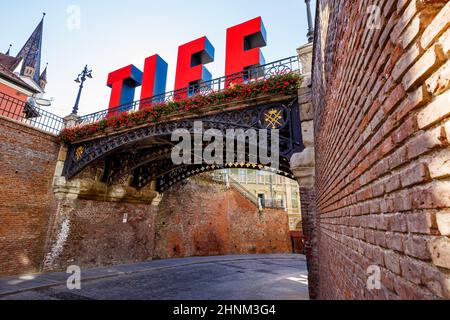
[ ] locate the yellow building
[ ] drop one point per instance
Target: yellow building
(273, 191)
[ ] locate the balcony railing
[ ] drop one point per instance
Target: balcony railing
(29, 114)
(256, 73)
(273, 203)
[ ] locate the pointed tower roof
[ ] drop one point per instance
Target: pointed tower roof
(9, 62)
(9, 50)
(31, 51)
(44, 74)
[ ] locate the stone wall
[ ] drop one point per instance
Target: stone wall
(196, 218)
(48, 223)
(46, 226)
(95, 224)
(382, 128)
(27, 162)
(95, 233)
(204, 218)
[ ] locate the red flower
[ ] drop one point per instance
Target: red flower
(285, 82)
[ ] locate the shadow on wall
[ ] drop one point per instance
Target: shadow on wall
(382, 146)
(27, 162)
(195, 218)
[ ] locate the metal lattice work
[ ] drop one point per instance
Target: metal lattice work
(145, 153)
(257, 73)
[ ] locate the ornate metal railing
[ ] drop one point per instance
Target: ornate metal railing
(256, 73)
(29, 114)
(227, 179)
(273, 203)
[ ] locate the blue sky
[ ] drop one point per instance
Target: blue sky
(114, 34)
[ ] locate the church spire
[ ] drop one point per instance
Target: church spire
(43, 78)
(31, 53)
(9, 50)
(44, 73)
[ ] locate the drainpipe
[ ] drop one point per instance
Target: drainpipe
(310, 33)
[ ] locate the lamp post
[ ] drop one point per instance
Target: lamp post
(86, 73)
(310, 34)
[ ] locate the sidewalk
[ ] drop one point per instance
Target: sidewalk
(12, 285)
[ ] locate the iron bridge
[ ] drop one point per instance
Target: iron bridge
(139, 156)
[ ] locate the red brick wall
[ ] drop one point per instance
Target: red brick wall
(27, 162)
(98, 236)
(382, 127)
(203, 218)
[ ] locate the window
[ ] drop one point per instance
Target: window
(280, 199)
(261, 177)
(280, 179)
(294, 197)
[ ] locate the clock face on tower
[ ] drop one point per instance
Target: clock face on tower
(273, 118)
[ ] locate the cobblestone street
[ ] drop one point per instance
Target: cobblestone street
(259, 277)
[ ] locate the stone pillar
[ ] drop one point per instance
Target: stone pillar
(69, 121)
(156, 201)
(288, 189)
(73, 205)
(154, 208)
(303, 167)
(303, 164)
(60, 223)
(309, 221)
(305, 54)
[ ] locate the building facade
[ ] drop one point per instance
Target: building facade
(272, 189)
(21, 77)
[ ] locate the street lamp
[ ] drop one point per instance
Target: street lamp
(86, 73)
(310, 34)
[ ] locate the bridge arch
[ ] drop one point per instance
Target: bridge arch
(135, 159)
(145, 152)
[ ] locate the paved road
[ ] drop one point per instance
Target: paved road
(261, 277)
